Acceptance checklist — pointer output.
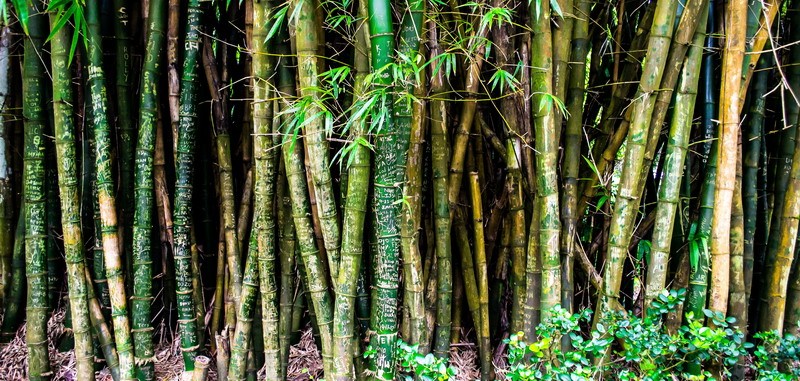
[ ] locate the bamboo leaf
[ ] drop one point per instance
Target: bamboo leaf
(22, 13)
(4, 12)
(63, 18)
(694, 255)
(277, 22)
(556, 8)
(296, 12)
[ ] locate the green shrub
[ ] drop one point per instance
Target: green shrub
(635, 348)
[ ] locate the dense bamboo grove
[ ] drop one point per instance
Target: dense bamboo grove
(439, 172)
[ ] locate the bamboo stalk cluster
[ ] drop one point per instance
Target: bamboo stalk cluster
(438, 172)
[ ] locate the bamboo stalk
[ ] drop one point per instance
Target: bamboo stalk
(265, 154)
(142, 258)
(201, 364)
(675, 158)
(733, 54)
(777, 243)
(286, 248)
(101, 330)
(737, 301)
(355, 205)
(572, 148)
(441, 207)
(240, 344)
(546, 145)
(33, 193)
(751, 152)
(627, 201)
(307, 40)
(781, 247)
(227, 205)
(690, 19)
(482, 278)
(411, 122)
(316, 278)
(184, 171)
(769, 13)
(391, 146)
(124, 123)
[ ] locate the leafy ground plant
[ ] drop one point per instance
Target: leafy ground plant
(642, 348)
(634, 348)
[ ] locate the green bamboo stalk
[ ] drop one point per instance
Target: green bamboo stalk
(286, 247)
(246, 201)
(125, 121)
(184, 174)
(228, 212)
(755, 45)
(316, 277)
(690, 18)
(264, 191)
(125, 124)
(572, 147)
(100, 329)
(710, 92)
(752, 142)
(355, 204)
(309, 58)
(669, 191)
(390, 157)
(197, 291)
(781, 184)
(477, 45)
(458, 301)
(781, 247)
(532, 287)
(627, 202)
(163, 203)
(441, 208)
(482, 278)
(52, 218)
(562, 35)
(105, 193)
(762, 233)
(34, 200)
(142, 224)
(698, 271)
(698, 277)
(298, 307)
(89, 195)
(219, 286)
(225, 176)
(411, 120)
(172, 76)
(546, 159)
(70, 204)
(500, 276)
(240, 345)
(519, 240)
(470, 285)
